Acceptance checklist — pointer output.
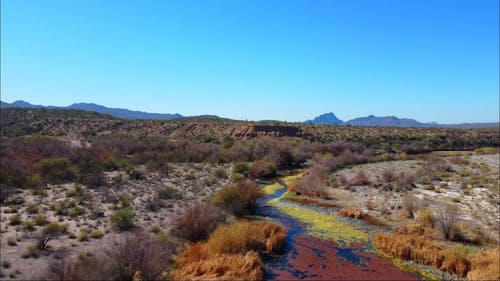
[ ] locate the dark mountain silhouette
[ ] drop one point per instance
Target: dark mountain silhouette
(116, 112)
(327, 118)
(386, 121)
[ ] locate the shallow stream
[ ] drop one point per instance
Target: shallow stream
(321, 246)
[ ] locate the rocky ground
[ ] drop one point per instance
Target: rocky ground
(88, 210)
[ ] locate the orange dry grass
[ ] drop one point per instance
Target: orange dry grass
(356, 213)
(485, 265)
(409, 248)
(420, 230)
(456, 261)
(231, 252)
(223, 267)
(274, 234)
(237, 238)
(419, 249)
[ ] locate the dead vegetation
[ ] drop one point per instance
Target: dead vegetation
(233, 252)
(456, 259)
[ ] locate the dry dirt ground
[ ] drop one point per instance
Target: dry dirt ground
(192, 181)
(470, 185)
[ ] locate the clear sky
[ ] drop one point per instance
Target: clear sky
(257, 59)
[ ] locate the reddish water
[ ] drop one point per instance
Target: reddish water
(311, 258)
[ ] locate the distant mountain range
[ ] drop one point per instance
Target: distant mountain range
(390, 121)
(325, 119)
(116, 112)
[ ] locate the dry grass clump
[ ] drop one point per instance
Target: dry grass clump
(408, 247)
(243, 236)
(485, 265)
(456, 260)
(466, 232)
(357, 213)
(426, 218)
(223, 267)
(419, 229)
(238, 199)
(231, 252)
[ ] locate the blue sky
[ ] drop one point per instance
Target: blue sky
(431, 60)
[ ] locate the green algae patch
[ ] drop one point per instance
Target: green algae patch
(272, 188)
(325, 226)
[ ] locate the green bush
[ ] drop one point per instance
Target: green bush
(96, 234)
(32, 209)
(155, 228)
(237, 177)
(83, 236)
(15, 219)
(76, 211)
(241, 168)
(57, 170)
(122, 219)
(168, 193)
(28, 225)
(239, 199)
(124, 200)
(220, 173)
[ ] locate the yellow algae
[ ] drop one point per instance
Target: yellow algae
(325, 226)
(272, 188)
(292, 179)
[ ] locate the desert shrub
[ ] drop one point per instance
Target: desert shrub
(31, 252)
(15, 219)
(57, 170)
(237, 177)
(220, 173)
(411, 205)
(426, 217)
(239, 198)
(82, 268)
(313, 183)
(168, 192)
(388, 175)
(28, 225)
(241, 168)
(199, 221)
(484, 265)
(40, 220)
(446, 220)
(32, 209)
(50, 232)
(138, 252)
(124, 200)
(361, 179)
(83, 236)
(96, 234)
(263, 169)
(122, 219)
(76, 211)
(11, 241)
(78, 192)
(466, 232)
(155, 228)
(136, 174)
